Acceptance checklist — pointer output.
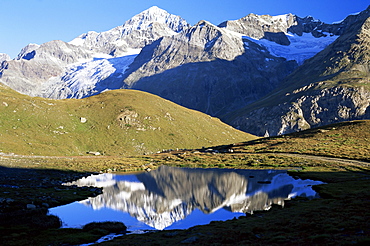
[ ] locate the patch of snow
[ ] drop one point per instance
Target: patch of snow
(77, 41)
(300, 48)
(86, 78)
(94, 180)
(300, 187)
(145, 19)
(80, 40)
(283, 17)
(4, 57)
(106, 180)
(106, 238)
(313, 19)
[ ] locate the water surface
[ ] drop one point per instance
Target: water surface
(179, 198)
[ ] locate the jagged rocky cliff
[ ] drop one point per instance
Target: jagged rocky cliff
(207, 68)
(140, 30)
(89, 64)
(219, 70)
(331, 87)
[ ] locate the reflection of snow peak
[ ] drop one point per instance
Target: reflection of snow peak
(167, 195)
(105, 180)
(141, 205)
(300, 187)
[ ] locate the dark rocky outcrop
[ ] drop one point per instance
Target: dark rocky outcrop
(218, 70)
(43, 70)
(207, 69)
(331, 87)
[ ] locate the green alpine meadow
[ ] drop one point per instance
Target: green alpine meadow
(157, 100)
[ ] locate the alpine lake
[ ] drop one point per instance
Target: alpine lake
(179, 198)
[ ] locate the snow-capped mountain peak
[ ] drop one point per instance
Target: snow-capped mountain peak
(154, 14)
(213, 69)
(27, 50)
(4, 57)
(135, 33)
(111, 52)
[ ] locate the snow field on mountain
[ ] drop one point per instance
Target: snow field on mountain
(87, 75)
(300, 49)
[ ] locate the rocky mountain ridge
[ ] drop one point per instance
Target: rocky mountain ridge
(215, 69)
(140, 30)
(331, 87)
(134, 34)
(44, 70)
(275, 28)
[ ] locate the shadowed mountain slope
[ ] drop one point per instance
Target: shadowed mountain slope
(208, 69)
(218, 70)
(333, 86)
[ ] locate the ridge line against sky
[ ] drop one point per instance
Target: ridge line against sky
(40, 21)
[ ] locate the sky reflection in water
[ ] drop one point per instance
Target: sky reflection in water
(179, 198)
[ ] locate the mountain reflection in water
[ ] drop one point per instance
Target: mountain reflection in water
(162, 197)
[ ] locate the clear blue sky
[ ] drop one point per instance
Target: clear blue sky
(39, 21)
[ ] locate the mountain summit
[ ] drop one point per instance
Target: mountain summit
(77, 69)
(4, 57)
(137, 32)
(333, 86)
(217, 69)
(151, 15)
(214, 69)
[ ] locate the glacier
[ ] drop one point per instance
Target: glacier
(300, 49)
(90, 77)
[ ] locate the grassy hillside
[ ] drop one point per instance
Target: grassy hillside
(113, 123)
(308, 150)
(300, 222)
(348, 140)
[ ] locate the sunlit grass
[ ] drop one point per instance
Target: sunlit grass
(340, 217)
(120, 122)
